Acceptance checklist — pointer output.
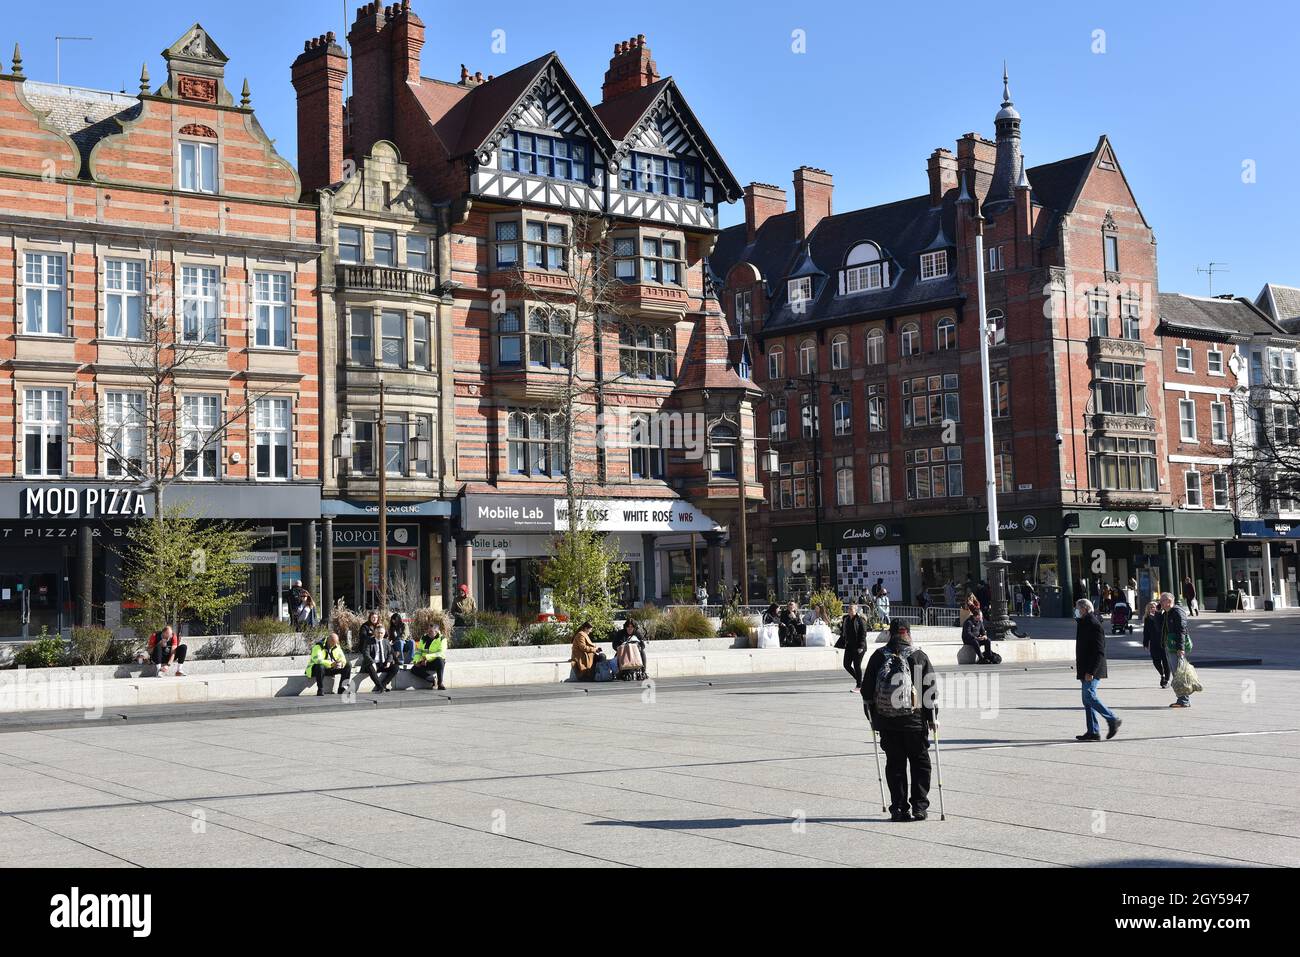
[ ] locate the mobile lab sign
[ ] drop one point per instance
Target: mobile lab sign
(54, 501)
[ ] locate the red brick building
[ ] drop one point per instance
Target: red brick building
(114, 209)
(868, 317)
(534, 185)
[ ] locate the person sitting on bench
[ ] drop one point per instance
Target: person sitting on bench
(430, 657)
(378, 655)
(327, 658)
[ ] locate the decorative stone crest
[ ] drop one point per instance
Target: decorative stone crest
(199, 88)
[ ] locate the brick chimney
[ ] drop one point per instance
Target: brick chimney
(812, 198)
(408, 40)
(630, 68)
(762, 202)
(976, 155)
(370, 108)
(942, 168)
(318, 76)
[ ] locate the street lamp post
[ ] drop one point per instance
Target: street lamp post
(381, 439)
(999, 624)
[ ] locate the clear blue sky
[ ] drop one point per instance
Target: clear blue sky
(1187, 92)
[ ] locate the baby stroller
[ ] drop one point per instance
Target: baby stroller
(1119, 618)
(631, 660)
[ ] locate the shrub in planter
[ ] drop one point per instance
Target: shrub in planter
(736, 625)
(265, 637)
(684, 621)
(124, 651)
(648, 620)
(546, 633)
(90, 645)
(345, 622)
(831, 602)
(47, 651)
(481, 637)
(216, 648)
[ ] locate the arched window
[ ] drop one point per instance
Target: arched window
(807, 357)
(909, 339)
(722, 451)
(865, 269)
(945, 334)
(876, 347)
(775, 364)
(998, 327)
(840, 352)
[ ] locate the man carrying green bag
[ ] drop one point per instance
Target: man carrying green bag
(1173, 628)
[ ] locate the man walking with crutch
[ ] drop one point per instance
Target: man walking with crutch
(898, 698)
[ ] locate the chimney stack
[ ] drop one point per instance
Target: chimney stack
(762, 202)
(408, 40)
(812, 198)
(976, 158)
(318, 76)
(370, 109)
(942, 168)
(630, 68)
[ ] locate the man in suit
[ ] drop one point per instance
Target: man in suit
(853, 639)
(1090, 668)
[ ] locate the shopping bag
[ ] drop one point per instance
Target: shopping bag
(1185, 680)
(819, 636)
(629, 656)
(606, 669)
(769, 636)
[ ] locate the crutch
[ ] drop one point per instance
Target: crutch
(938, 770)
(879, 780)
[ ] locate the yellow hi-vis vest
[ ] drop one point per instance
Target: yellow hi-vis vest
(320, 655)
(427, 649)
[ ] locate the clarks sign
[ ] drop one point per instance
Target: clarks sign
(52, 501)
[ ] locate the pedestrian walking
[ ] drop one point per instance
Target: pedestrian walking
(1189, 596)
(853, 639)
(1090, 668)
(898, 698)
(1173, 629)
(1154, 642)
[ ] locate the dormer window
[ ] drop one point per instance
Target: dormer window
(801, 289)
(864, 270)
(934, 265)
(548, 156)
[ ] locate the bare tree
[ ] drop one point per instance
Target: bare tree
(1265, 469)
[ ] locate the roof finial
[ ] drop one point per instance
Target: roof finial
(245, 98)
(18, 61)
(1006, 86)
(964, 196)
(144, 79)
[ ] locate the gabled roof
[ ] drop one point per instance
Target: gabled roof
(624, 114)
(1233, 317)
(902, 230)
(1282, 303)
(467, 122)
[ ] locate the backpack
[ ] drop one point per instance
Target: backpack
(895, 692)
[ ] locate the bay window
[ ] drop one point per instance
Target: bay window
(646, 352)
(535, 443)
(1120, 389)
(1119, 463)
(546, 246)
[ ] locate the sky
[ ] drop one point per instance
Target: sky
(1199, 99)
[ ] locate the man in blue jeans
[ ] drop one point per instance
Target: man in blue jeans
(1090, 667)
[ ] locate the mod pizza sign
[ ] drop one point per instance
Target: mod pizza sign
(54, 501)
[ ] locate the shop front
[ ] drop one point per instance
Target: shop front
(61, 546)
(1263, 564)
(507, 540)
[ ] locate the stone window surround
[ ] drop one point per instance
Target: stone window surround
(22, 381)
(377, 307)
(216, 164)
(366, 409)
(524, 308)
(639, 233)
(402, 228)
(24, 245)
(521, 217)
(250, 433)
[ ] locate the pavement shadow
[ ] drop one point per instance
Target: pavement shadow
(718, 823)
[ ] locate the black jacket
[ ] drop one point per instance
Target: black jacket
(853, 632)
(619, 636)
(378, 650)
(972, 631)
(1173, 628)
(1151, 634)
(925, 689)
(1090, 648)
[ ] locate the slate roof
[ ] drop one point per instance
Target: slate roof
(903, 230)
(87, 116)
(1282, 303)
(1230, 318)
